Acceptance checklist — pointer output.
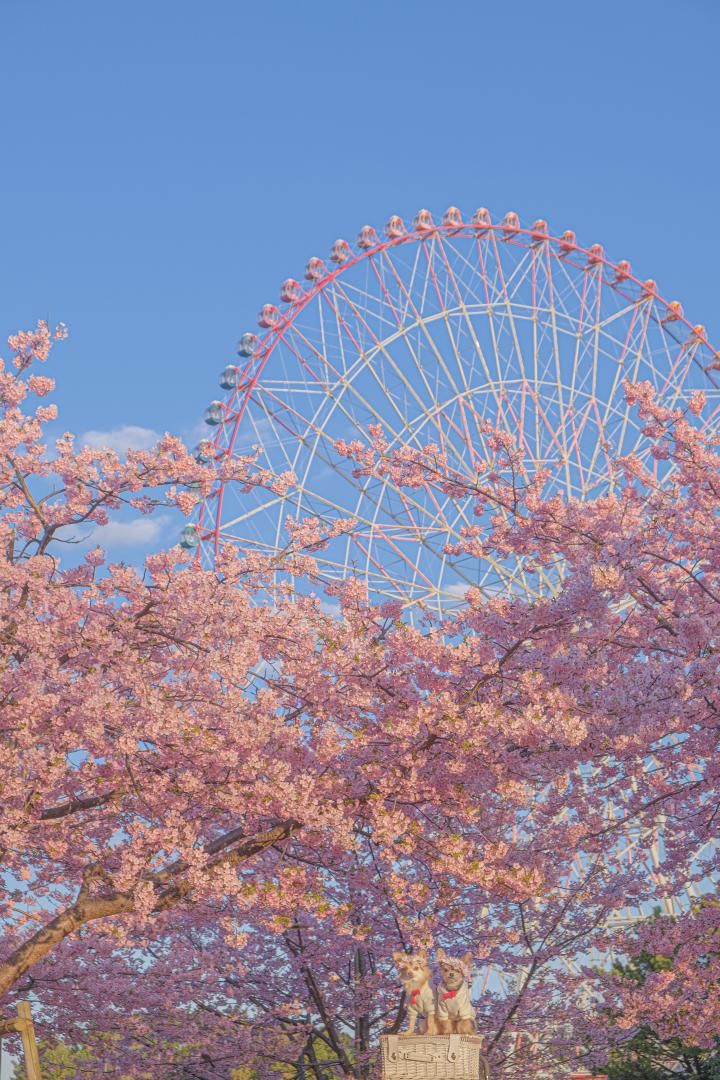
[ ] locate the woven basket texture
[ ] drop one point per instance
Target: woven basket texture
(432, 1057)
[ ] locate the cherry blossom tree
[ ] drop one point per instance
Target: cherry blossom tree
(221, 814)
(163, 730)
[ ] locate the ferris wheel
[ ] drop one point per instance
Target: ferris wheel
(428, 333)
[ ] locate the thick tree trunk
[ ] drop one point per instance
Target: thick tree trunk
(89, 908)
(67, 922)
(362, 1022)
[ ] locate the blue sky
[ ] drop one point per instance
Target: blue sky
(167, 164)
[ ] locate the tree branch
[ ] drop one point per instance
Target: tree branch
(89, 908)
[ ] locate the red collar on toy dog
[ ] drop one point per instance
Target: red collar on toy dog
(450, 994)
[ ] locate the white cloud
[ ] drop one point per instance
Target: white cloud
(458, 588)
(192, 436)
(141, 531)
(121, 439)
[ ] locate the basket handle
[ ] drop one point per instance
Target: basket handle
(398, 1052)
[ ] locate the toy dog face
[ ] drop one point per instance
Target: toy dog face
(451, 975)
(452, 978)
(412, 968)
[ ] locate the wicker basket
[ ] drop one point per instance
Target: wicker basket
(432, 1057)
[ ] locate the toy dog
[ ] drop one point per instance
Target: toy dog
(415, 973)
(455, 1014)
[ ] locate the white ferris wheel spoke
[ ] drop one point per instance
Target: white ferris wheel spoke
(435, 336)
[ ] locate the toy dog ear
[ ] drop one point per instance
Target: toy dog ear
(467, 959)
(397, 956)
(441, 954)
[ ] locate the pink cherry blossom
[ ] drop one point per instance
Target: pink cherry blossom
(223, 813)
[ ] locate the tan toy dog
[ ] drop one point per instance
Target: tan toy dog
(415, 973)
(455, 1014)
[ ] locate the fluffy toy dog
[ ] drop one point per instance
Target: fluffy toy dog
(455, 1014)
(415, 973)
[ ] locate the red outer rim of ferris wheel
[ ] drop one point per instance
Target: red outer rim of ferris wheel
(569, 251)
